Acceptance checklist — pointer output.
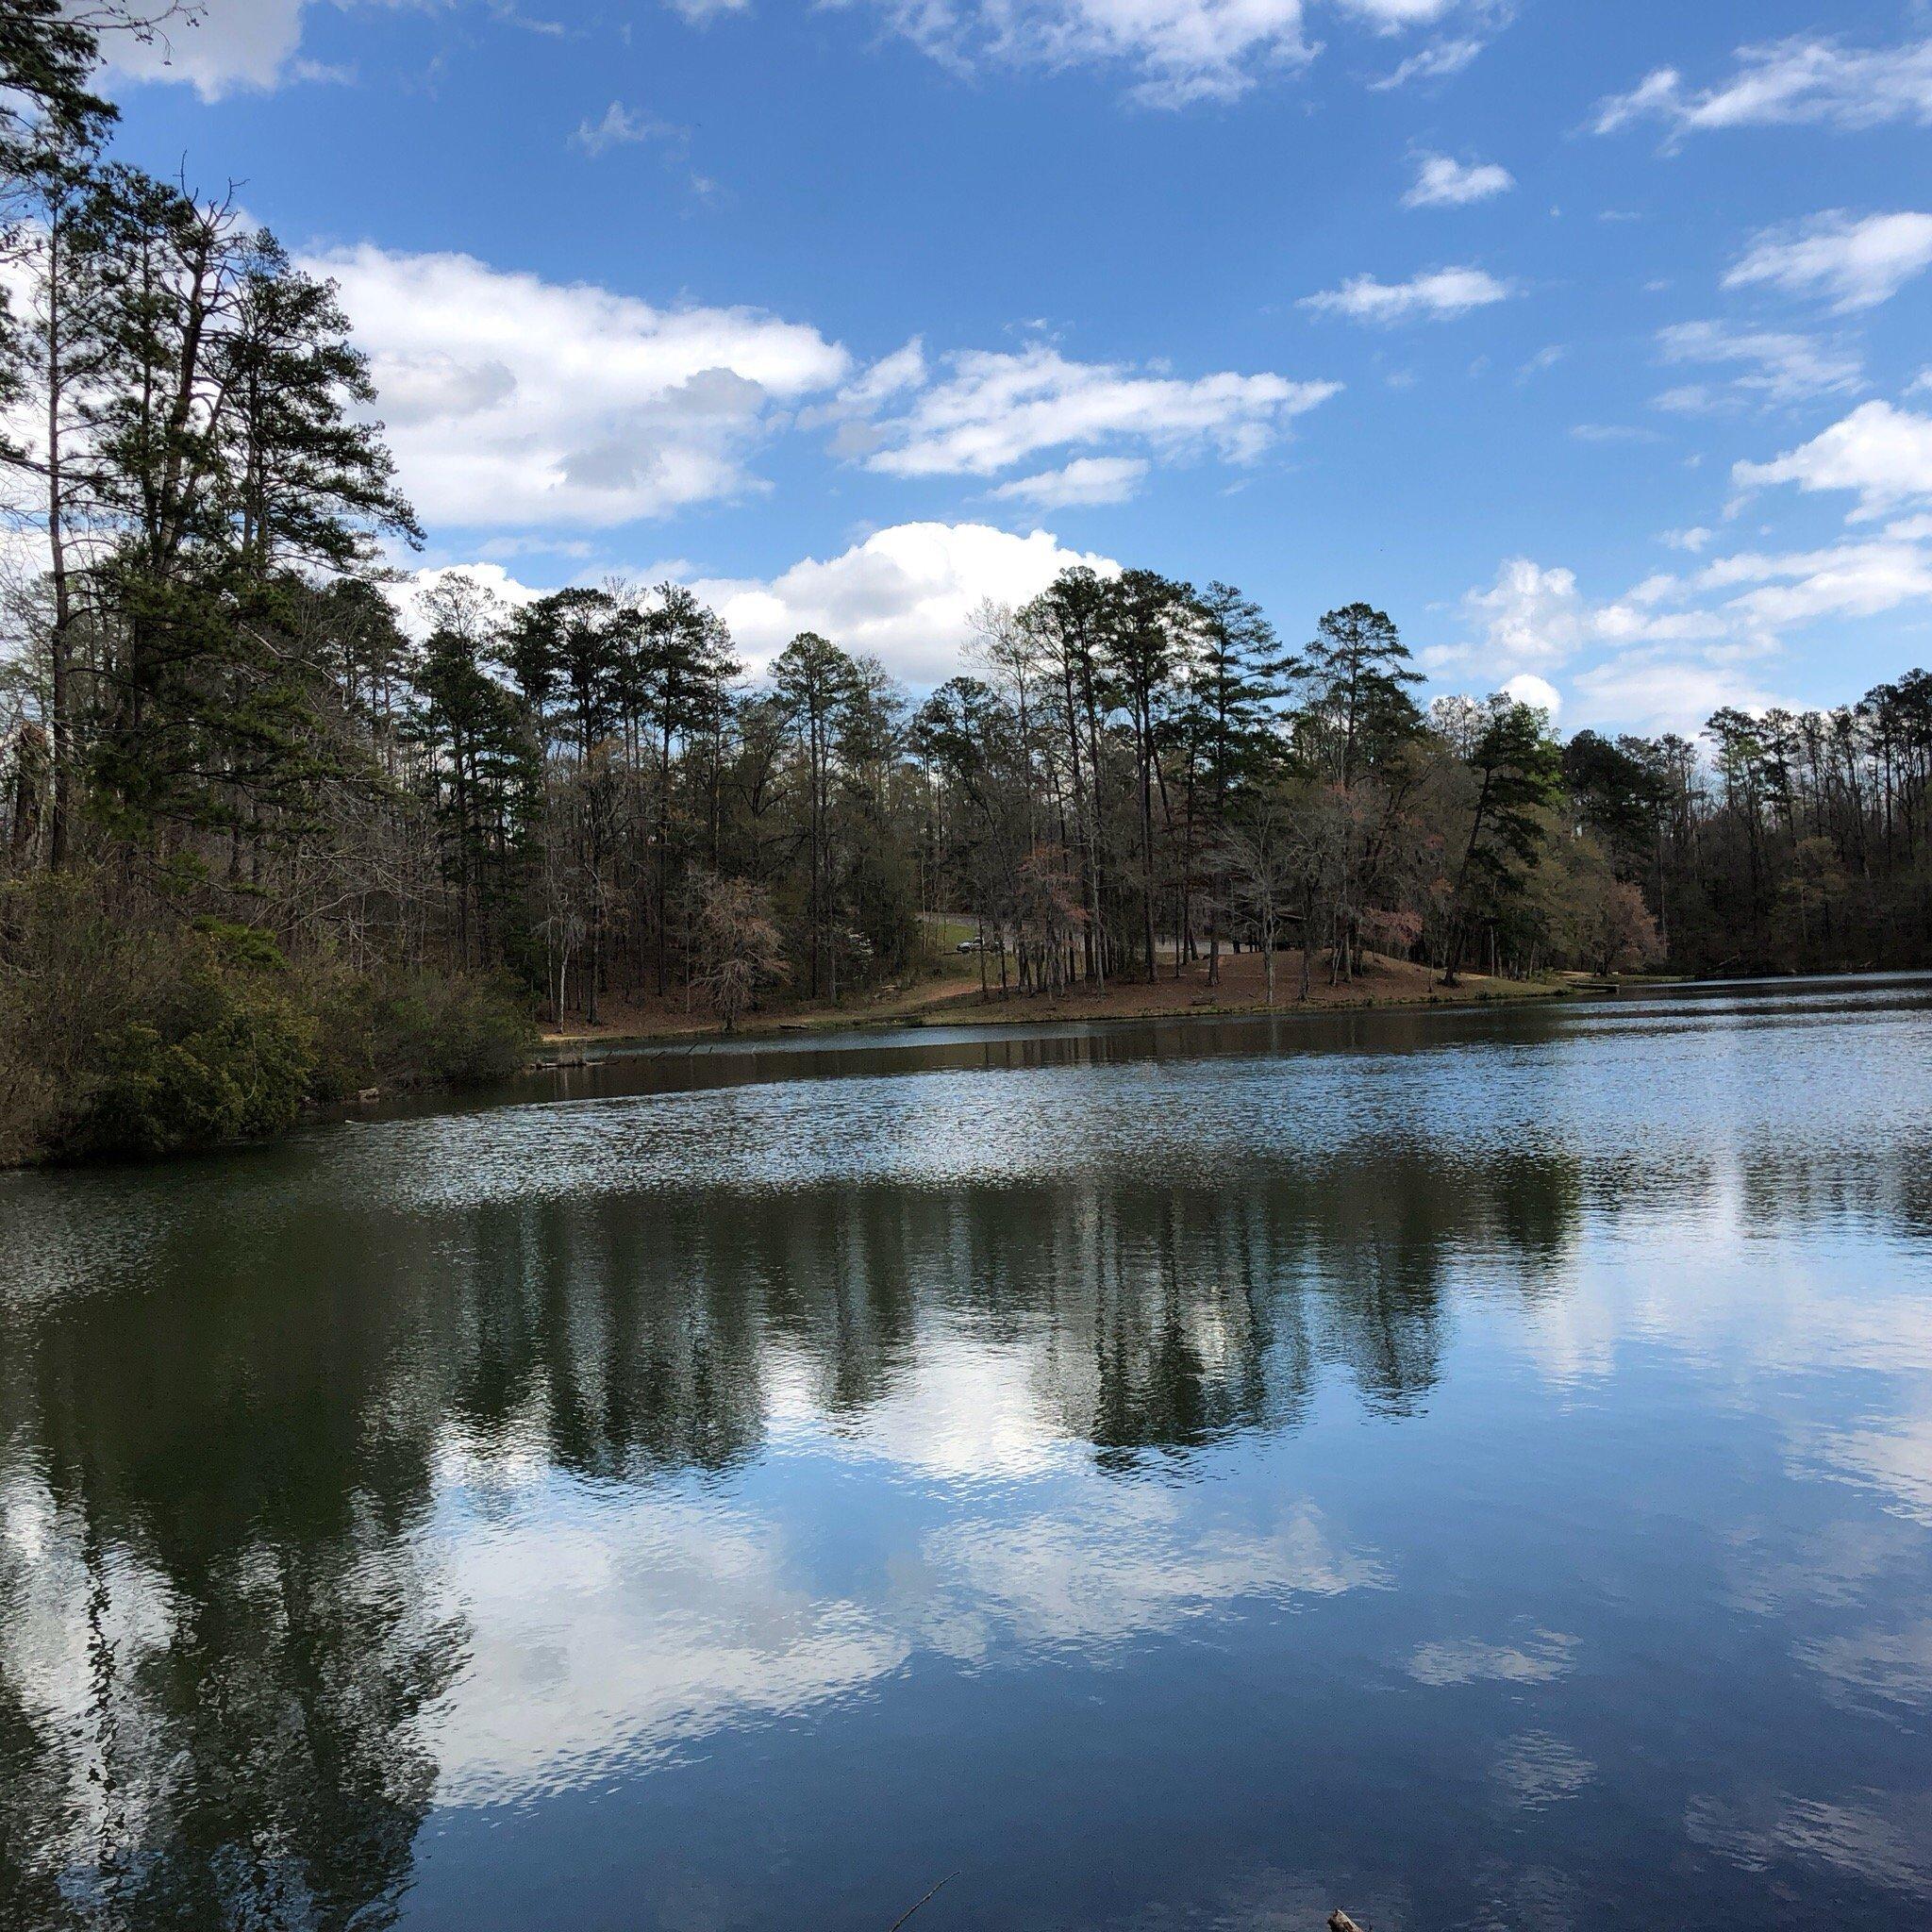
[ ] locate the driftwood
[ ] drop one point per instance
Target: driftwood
(910, 1909)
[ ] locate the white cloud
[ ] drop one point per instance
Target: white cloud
(523, 405)
(623, 127)
(231, 44)
(905, 594)
(1883, 453)
(995, 409)
(1613, 432)
(1641, 693)
(1775, 365)
(1673, 649)
(1182, 50)
(1441, 182)
(513, 401)
(1390, 16)
(221, 47)
(1786, 81)
(1667, 654)
(1436, 62)
(1694, 540)
(1527, 687)
(1535, 619)
(904, 369)
(1857, 263)
(1847, 580)
(1529, 615)
(1085, 481)
(1439, 295)
(407, 593)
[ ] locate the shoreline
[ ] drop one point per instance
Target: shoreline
(1180, 1002)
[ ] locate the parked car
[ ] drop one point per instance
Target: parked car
(970, 946)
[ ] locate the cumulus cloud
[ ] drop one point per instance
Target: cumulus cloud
(1535, 619)
(1769, 364)
(1779, 82)
(229, 45)
(1085, 481)
(1648, 694)
(1673, 648)
(1846, 580)
(905, 594)
(1527, 687)
(1441, 182)
(223, 47)
(1882, 453)
(1181, 51)
(995, 409)
(1392, 15)
(1529, 616)
(1855, 264)
(516, 402)
(1741, 605)
(408, 593)
(1439, 295)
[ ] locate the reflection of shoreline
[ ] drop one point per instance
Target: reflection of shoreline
(533, 1449)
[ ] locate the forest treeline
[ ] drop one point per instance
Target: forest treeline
(271, 832)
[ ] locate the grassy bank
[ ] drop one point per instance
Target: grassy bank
(954, 998)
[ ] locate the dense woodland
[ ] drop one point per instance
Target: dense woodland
(271, 830)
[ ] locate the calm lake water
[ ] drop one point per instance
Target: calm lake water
(1470, 1467)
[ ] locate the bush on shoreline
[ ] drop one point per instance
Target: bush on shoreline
(149, 1037)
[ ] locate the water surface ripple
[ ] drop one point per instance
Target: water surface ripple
(1471, 1467)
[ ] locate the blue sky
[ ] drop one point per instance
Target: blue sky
(1589, 341)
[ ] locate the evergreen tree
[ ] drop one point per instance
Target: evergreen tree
(1518, 769)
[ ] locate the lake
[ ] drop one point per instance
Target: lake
(1473, 1468)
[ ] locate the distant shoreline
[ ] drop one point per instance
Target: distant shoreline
(1384, 983)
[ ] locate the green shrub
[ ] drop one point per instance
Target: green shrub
(145, 1036)
(403, 1026)
(217, 1048)
(239, 1070)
